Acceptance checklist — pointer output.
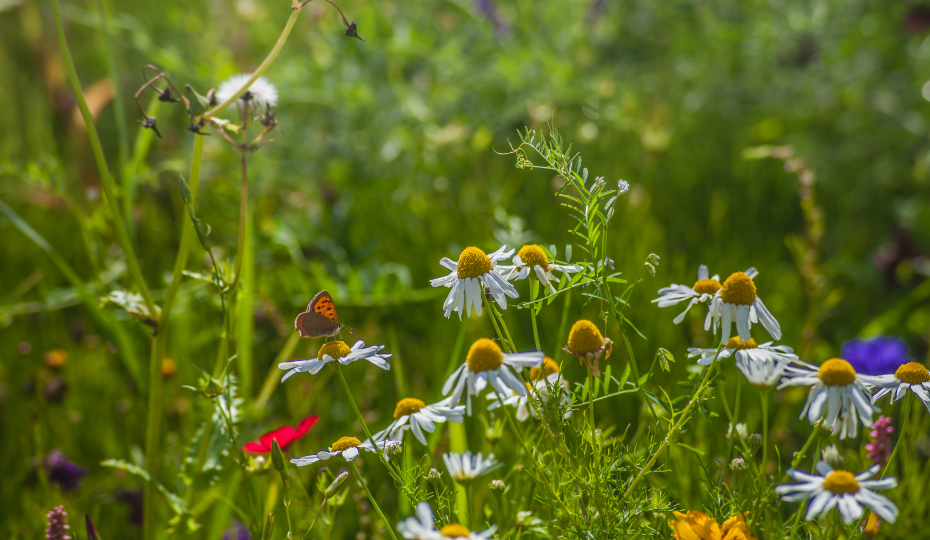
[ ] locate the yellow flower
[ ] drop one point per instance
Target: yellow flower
(700, 526)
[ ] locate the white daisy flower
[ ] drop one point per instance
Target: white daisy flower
(545, 383)
(473, 268)
(763, 375)
(348, 448)
(467, 467)
(422, 527)
(702, 291)
(332, 351)
(415, 415)
(840, 489)
(911, 375)
(839, 395)
(487, 364)
(748, 351)
(533, 259)
(263, 92)
(736, 301)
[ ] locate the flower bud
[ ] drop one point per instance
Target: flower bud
(277, 456)
(498, 486)
(754, 441)
(434, 477)
(622, 187)
(334, 486)
(738, 465)
(831, 455)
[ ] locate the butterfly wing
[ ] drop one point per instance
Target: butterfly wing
(320, 319)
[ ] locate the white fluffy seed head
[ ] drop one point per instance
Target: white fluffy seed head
(263, 92)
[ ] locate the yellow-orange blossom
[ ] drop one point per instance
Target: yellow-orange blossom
(700, 526)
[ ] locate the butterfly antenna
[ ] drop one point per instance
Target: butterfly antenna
(349, 329)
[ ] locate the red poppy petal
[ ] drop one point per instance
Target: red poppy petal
(304, 426)
(256, 448)
(285, 436)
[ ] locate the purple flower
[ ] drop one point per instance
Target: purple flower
(63, 472)
(880, 447)
(238, 532)
(57, 524)
(878, 356)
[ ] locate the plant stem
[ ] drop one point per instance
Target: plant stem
(374, 503)
(763, 470)
(105, 179)
(158, 351)
(513, 346)
(312, 523)
(243, 198)
(122, 134)
(905, 416)
(534, 290)
(682, 418)
(261, 69)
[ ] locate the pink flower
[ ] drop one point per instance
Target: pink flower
(880, 446)
(285, 436)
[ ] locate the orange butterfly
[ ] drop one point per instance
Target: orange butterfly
(320, 319)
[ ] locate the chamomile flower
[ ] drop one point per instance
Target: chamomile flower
(486, 364)
(414, 414)
(748, 351)
(840, 489)
(465, 468)
(473, 269)
(702, 291)
(533, 259)
(262, 92)
(586, 342)
(736, 301)
(422, 527)
(333, 351)
(348, 448)
(763, 375)
(913, 376)
(838, 394)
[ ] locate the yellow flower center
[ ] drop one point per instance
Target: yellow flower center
(912, 373)
(737, 343)
(473, 263)
(836, 372)
(484, 355)
(454, 530)
(550, 367)
(407, 406)
(168, 367)
(336, 349)
(706, 286)
(534, 256)
(738, 289)
(344, 444)
(56, 358)
(840, 481)
(584, 337)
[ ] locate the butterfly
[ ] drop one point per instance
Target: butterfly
(320, 319)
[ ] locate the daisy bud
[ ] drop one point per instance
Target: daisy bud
(277, 457)
(738, 465)
(394, 449)
(434, 477)
(334, 486)
(754, 441)
(831, 455)
(497, 486)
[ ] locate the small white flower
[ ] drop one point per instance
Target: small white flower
(473, 269)
(740, 429)
(747, 351)
(840, 489)
(622, 187)
(702, 291)
(533, 259)
(736, 301)
(415, 415)
(486, 364)
(838, 394)
(544, 388)
(263, 92)
(763, 375)
(348, 448)
(465, 468)
(911, 376)
(422, 527)
(332, 351)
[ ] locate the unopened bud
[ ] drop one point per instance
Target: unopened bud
(754, 441)
(277, 456)
(394, 449)
(334, 486)
(622, 187)
(831, 455)
(738, 465)
(497, 486)
(434, 476)
(652, 269)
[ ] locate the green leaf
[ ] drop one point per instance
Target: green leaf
(177, 503)
(185, 191)
(568, 253)
(693, 449)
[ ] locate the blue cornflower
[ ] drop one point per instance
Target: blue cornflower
(877, 356)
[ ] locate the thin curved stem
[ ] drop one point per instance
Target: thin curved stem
(374, 502)
(905, 416)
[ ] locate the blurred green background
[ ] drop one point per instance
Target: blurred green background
(384, 161)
